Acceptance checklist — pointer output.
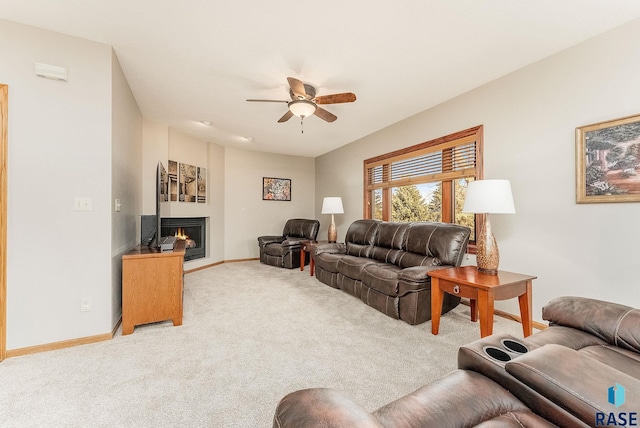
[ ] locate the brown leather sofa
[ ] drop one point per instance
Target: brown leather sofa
(386, 264)
(284, 250)
(582, 371)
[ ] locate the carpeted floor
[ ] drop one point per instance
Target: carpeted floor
(251, 334)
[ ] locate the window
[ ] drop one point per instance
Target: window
(425, 182)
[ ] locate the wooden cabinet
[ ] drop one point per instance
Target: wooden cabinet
(152, 286)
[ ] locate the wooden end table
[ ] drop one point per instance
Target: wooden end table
(307, 247)
(482, 289)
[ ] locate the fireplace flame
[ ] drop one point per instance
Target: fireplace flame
(181, 235)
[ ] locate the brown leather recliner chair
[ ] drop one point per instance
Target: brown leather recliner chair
(284, 250)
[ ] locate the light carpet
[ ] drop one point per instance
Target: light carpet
(251, 334)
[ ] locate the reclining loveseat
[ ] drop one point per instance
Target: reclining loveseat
(284, 250)
(386, 264)
(582, 371)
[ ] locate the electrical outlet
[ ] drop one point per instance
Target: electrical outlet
(85, 304)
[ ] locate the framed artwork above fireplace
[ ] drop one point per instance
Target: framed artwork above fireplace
(187, 183)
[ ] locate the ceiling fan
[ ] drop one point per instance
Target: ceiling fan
(304, 102)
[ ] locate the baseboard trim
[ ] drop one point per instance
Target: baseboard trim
(204, 267)
(116, 327)
(58, 345)
(242, 260)
(65, 343)
(535, 324)
(219, 263)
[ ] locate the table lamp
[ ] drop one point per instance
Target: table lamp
(332, 205)
(488, 197)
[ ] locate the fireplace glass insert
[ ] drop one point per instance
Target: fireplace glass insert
(190, 229)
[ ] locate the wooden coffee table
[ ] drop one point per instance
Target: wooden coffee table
(482, 289)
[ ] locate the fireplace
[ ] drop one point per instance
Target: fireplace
(191, 229)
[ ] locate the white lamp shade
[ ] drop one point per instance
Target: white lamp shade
(332, 205)
(302, 108)
(489, 196)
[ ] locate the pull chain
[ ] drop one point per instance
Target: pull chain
(302, 124)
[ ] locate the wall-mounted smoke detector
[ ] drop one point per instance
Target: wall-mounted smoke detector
(51, 71)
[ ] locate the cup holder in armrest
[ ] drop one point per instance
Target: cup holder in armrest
(510, 349)
(513, 346)
(497, 354)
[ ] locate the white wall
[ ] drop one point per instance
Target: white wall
(529, 120)
(60, 136)
(126, 179)
(247, 216)
(155, 148)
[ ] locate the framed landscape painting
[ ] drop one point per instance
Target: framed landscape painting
(608, 161)
(276, 189)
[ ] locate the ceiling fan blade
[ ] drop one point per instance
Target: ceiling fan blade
(297, 87)
(325, 115)
(288, 115)
(268, 101)
(347, 97)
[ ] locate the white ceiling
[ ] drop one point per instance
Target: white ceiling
(199, 60)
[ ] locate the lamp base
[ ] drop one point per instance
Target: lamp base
(487, 254)
(333, 232)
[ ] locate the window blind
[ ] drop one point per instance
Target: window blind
(434, 164)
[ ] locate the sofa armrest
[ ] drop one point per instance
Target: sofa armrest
(321, 407)
(460, 399)
(334, 248)
(611, 322)
(574, 381)
(419, 273)
(264, 240)
(292, 241)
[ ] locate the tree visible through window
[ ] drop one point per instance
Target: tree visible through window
(416, 202)
(426, 182)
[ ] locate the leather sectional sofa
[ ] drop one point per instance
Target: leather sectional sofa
(582, 371)
(385, 264)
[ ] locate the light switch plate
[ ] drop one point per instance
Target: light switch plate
(82, 204)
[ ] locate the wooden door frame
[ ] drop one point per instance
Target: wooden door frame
(4, 123)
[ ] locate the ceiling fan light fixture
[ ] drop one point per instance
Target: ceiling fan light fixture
(302, 108)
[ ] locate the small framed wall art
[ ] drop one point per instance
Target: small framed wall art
(276, 189)
(608, 161)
